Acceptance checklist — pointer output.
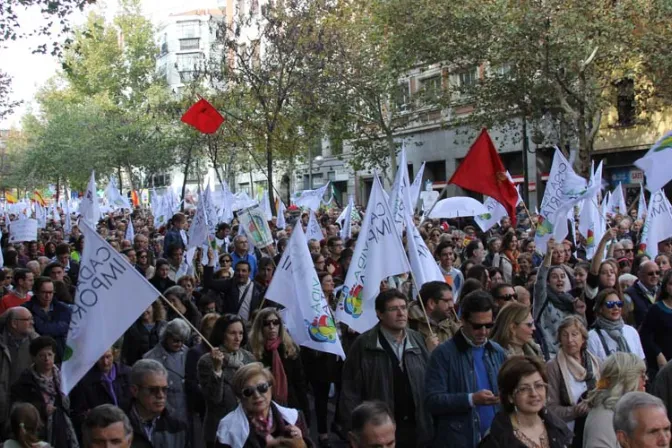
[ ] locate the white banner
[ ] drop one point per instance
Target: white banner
(280, 223)
(313, 230)
(423, 265)
(656, 163)
(23, 230)
(296, 286)
(89, 208)
(657, 227)
(111, 295)
(400, 198)
(311, 198)
(416, 186)
(198, 229)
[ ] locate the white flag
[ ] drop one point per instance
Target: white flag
(89, 208)
(296, 286)
(40, 216)
(280, 223)
(616, 204)
(423, 265)
(313, 230)
(655, 163)
(114, 197)
(266, 205)
(564, 189)
(658, 224)
(592, 223)
(111, 295)
(641, 207)
(65, 205)
(378, 254)
(227, 204)
(496, 212)
(346, 226)
(198, 230)
(311, 198)
(416, 186)
(130, 231)
(400, 199)
(210, 210)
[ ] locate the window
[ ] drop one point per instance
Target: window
(502, 70)
(189, 62)
(430, 88)
(626, 102)
(188, 29)
(164, 44)
(190, 44)
(468, 77)
(403, 96)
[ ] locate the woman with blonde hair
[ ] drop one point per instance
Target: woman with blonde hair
(572, 374)
(271, 344)
(514, 331)
(621, 373)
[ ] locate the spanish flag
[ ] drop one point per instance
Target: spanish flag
(11, 199)
(37, 197)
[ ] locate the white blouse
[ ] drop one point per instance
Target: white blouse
(631, 337)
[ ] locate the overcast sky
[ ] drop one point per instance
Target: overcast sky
(31, 71)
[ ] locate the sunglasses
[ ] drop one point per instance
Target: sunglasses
(508, 297)
(481, 326)
(261, 388)
(610, 304)
(273, 322)
(156, 390)
(225, 260)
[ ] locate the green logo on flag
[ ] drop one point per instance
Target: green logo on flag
(664, 144)
(68, 352)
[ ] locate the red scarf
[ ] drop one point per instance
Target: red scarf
(280, 378)
(512, 255)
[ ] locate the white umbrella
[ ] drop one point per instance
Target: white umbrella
(458, 207)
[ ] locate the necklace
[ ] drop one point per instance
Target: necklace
(528, 441)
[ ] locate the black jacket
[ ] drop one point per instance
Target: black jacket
(501, 433)
(640, 302)
(138, 341)
(228, 289)
(169, 432)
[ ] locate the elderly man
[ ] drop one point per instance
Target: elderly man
(241, 253)
(153, 424)
(640, 421)
(372, 426)
(106, 426)
(14, 353)
(642, 295)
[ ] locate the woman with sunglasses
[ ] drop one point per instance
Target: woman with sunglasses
(143, 266)
(610, 334)
(273, 346)
(226, 263)
(572, 374)
(514, 331)
(524, 420)
(657, 327)
(259, 421)
(217, 369)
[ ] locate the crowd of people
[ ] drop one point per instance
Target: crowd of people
(513, 348)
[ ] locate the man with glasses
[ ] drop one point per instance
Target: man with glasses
(387, 363)
(335, 246)
(503, 293)
(461, 382)
(152, 422)
(437, 298)
(241, 253)
(642, 294)
(14, 353)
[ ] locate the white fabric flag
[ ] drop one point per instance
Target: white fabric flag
(67, 225)
(656, 163)
(89, 208)
(496, 212)
(226, 214)
(266, 205)
(641, 207)
(400, 199)
(40, 216)
(423, 265)
(281, 223)
(617, 202)
(198, 230)
(114, 197)
(564, 189)
(378, 254)
(311, 198)
(658, 224)
(346, 227)
(210, 210)
(591, 225)
(313, 230)
(416, 186)
(111, 295)
(296, 286)
(130, 231)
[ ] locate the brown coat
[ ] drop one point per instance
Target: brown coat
(445, 329)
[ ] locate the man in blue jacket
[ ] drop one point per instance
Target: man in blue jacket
(52, 318)
(461, 378)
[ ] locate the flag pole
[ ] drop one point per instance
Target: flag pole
(422, 305)
(169, 303)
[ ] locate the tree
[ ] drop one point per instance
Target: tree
(557, 63)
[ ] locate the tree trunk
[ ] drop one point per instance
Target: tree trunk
(58, 190)
(269, 171)
(187, 163)
(392, 147)
(121, 182)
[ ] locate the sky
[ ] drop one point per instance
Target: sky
(30, 71)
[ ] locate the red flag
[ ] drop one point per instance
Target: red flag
(203, 117)
(135, 199)
(482, 171)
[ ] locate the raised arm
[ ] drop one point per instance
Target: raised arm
(599, 252)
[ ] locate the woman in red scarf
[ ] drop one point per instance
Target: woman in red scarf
(271, 344)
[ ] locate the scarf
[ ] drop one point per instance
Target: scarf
(280, 391)
(512, 255)
(108, 383)
(614, 329)
(234, 360)
(562, 301)
(49, 387)
(234, 429)
(587, 371)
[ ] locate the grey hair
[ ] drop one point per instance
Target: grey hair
(103, 416)
(144, 367)
(621, 372)
(177, 329)
(238, 237)
(627, 405)
(176, 291)
(375, 412)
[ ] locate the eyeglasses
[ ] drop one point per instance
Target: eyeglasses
(508, 297)
(653, 273)
(273, 322)
(526, 389)
(629, 250)
(395, 309)
(155, 390)
(261, 388)
(481, 326)
(528, 324)
(610, 304)
(225, 260)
